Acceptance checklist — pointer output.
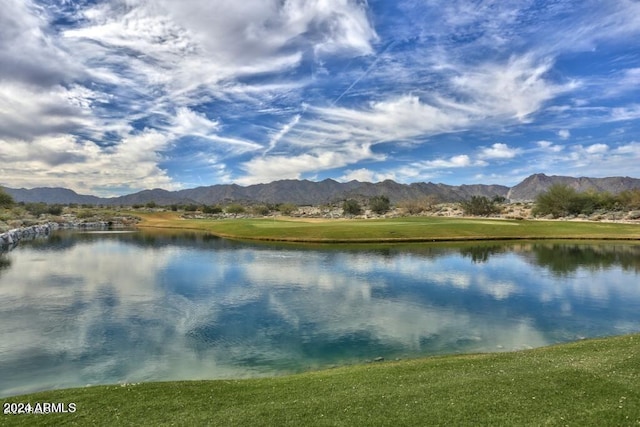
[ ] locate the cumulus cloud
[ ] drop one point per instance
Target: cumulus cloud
(132, 165)
(30, 54)
(597, 149)
(459, 161)
(498, 151)
(564, 133)
(548, 146)
(271, 168)
(365, 175)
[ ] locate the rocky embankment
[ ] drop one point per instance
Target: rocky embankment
(10, 238)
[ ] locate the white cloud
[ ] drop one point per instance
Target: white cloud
(27, 111)
(459, 161)
(270, 168)
(597, 149)
(514, 90)
(365, 175)
(564, 133)
(548, 146)
(188, 122)
(83, 166)
(631, 112)
(398, 118)
(498, 151)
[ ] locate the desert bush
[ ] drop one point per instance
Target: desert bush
(260, 210)
(630, 199)
(84, 214)
(351, 207)
(211, 209)
(416, 206)
(6, 201)
(379, 204)
(36, 209)
(55, 209)
(287, 208)
(479, 206)
(235, 209)
(559, 200)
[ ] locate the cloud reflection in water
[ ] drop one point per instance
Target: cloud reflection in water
(116, 308)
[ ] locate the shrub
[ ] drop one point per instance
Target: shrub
(36, 209)
(6, 201)
(479, 206)
(191, 208)
(54, 209)
(559, 200)
(211, 209)
(151, 205)
(287, 208)
(630, 199)
(379, 204)
(416, 206)
(260, 210)
(351, 207)
(235, 209)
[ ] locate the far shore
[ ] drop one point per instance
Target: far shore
(392, 230)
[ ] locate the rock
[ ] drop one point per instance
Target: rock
(379, 359)
(10, 239)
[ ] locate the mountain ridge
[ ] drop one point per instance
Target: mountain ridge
(305, 192)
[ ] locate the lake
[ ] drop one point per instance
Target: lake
(89, 308)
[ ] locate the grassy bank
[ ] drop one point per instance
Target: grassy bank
(592, 382)
(410, 229)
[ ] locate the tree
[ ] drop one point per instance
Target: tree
(379, 204)
(6, 201)
(351, 207)
(558, 201)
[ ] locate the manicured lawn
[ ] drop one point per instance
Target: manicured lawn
(390, 230)
(586, 383)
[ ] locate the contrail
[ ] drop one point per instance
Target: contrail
(366, 72)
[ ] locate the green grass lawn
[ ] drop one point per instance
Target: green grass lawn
(591, 382)
(394, 230)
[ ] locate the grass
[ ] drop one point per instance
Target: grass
(592, 382)
(411, 229)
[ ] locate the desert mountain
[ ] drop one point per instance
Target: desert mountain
(304, 192)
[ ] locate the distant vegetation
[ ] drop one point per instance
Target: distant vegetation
(560, 200)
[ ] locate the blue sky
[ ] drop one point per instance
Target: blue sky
(114, 96)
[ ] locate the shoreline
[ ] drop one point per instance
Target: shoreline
(457, 229)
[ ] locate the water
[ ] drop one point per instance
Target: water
(97, 308)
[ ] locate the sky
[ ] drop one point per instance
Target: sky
(109, 97)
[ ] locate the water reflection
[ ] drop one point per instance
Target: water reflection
(90, 308)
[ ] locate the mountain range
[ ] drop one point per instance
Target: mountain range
(304, 192)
